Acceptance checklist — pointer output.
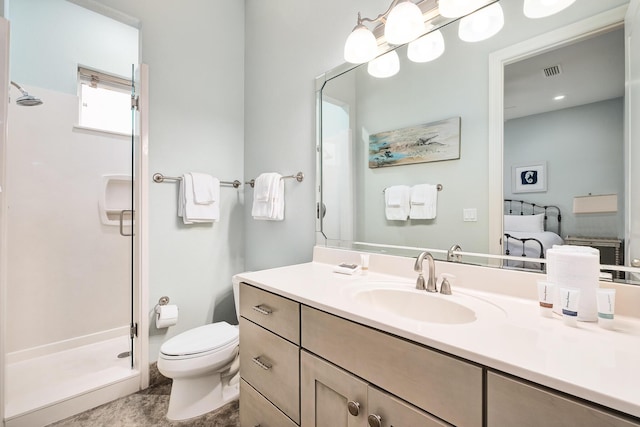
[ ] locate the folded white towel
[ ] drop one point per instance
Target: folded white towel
(192, 212)
(204, 188)
(396, 200)
(575, 267)
(268, 197)
(424, 199)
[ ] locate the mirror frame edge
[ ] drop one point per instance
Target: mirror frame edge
(497, 60)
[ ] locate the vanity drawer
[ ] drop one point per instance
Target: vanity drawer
(444, 386)
(255, 410)
(273, 312)
(271, 365)
(514, 403)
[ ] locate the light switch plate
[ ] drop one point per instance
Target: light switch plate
(470, 214)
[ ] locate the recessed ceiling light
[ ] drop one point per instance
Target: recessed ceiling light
(558, 98)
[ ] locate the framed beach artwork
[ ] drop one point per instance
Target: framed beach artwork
(431, 142)
(529, 178)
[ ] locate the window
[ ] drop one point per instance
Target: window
(105, 101)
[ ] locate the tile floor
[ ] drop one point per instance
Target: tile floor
(147, 408)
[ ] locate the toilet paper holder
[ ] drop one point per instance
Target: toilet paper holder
(162, 301)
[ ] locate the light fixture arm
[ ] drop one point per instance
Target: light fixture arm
(380, 18)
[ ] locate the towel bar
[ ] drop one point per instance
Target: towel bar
(158, 177)
(299, 177)
(439, 187)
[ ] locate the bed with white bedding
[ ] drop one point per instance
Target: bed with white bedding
(527, 232)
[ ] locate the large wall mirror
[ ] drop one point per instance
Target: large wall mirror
(574, 147)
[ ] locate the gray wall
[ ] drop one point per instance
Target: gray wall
(583, 148)
(195, 54)
(288, 44)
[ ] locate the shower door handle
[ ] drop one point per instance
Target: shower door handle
(122, 213)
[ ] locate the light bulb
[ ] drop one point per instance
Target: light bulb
(542, 8)
(458, 8)
(361, 46)
(404, 23)
(482, 24)
(426, 48)
(384, 66)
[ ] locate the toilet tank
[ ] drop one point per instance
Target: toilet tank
(235, 282)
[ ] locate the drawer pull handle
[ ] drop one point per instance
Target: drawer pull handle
(354, 408)
(262, 309)
(264, 365)
(374, 420)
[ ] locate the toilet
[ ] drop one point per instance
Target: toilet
(204, 365)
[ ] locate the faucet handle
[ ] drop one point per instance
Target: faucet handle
(445, 285)
(420, 283)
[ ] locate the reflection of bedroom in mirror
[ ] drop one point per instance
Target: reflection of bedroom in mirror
(564, 109)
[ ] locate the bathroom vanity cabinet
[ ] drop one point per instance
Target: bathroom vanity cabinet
(269, 359)
(430, 380)
(511, 402)
(333, 397)
(304, 366)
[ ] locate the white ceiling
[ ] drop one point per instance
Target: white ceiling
(591, 70)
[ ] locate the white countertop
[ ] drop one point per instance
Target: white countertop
(599, 365)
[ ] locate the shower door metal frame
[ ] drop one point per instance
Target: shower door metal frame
(4, 103)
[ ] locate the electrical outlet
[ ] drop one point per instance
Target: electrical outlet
(470, 214)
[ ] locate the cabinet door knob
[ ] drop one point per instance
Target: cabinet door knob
(635, 262)
(354, 408)
(374, 420)
(262, 309)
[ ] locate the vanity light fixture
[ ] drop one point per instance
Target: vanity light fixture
(361, 45)
(404, 23)
(426, 48)
(482, 24)
(384, 66)
(542, 8)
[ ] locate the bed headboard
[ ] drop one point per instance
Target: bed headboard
(522, 207)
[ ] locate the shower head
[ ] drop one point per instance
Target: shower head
(26, 99)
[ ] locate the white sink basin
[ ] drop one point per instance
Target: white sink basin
(423, 306)
(403, 300)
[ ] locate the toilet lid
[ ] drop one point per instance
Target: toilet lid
(201, 339)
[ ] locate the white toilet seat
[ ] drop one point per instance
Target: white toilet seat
(220, 337)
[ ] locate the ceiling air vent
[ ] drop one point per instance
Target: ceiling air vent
(554, 70)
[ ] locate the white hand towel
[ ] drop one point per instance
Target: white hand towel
(396, 200)
(204, 188)
(424, 201)
(268, 197)
(194, 213)
(575, 267)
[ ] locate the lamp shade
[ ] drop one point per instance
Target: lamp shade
(543, 8)
(426, 48)
(384, 66)
(482, 24)
(361, 46)
(458, 8)
(404, 23)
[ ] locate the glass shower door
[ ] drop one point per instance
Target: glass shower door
(69, 269)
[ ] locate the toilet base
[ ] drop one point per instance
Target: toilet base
(195, 396)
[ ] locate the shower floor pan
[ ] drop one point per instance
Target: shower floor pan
(49, 388)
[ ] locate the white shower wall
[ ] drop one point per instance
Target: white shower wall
(67, 274)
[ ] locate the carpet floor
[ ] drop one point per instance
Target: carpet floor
(148, 408)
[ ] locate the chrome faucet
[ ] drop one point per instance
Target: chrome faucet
(431, 283)
(452, 256)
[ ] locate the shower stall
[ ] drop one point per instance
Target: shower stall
(71, 291)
